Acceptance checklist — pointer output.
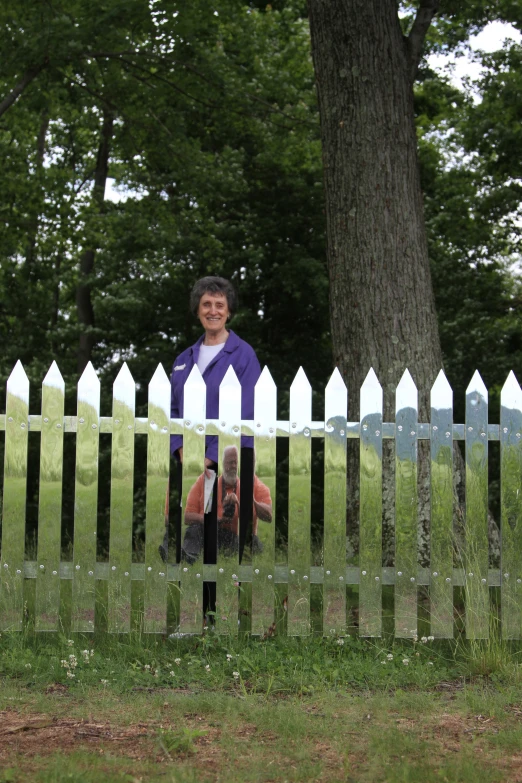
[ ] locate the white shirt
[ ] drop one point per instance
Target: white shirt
(206, 354)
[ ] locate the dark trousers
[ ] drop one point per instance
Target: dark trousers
(210, 527)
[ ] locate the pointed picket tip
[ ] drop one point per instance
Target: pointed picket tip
(511, 394)
(477, 386)
(18, 383)
(406, 394)
(265, 401)
(371, 380)
(230, 379)
(159, 390)
(441, 393)
(124, 388)
(194, 381)
(89, 387)
(265, 381)
(336, 382)
(54, 378)
(371, 395)
(300, 381)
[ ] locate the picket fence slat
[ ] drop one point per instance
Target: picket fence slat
(191, 590)
(14, 500)
(406, 507)
(370, 508)
(476, 547)
(158, 464)
(122, 498)
(263, 558)
(458, 547)
(334, 538)
(299, 505)
(86, 501)
(227, 582)
(511, 507)
(50, 502)
(441, 508)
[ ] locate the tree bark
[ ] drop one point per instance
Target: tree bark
(382, 307)
(84, 305)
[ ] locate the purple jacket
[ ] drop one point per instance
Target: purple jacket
(236, 353)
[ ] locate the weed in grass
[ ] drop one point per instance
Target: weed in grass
(175, 742)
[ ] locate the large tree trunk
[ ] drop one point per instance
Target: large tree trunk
(381, 298)
(382, 306)
(84, 306)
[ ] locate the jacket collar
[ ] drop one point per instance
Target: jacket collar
(229, 346)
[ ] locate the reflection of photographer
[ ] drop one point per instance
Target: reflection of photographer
(228, 490)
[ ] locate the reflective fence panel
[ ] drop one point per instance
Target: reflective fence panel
(370, 509)
(441, 506)
(191, 577)
(50, 502)
(13, 510)
(299, 506)
(511, 508)
(263, 552)
(334, 552)
(476, 544)
(158, 464)
(227, 485)
(406, 507)
(86, 502)
(122, 491)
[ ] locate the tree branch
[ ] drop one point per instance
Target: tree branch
(26, 79)
(423, 19)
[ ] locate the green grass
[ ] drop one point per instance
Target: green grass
(208, 708)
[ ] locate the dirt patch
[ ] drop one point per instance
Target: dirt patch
(39, 734)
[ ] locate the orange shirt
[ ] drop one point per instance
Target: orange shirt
(196, 500)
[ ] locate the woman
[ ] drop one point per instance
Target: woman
(213, 301)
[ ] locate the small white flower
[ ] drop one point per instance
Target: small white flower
(235, 675)
(431, 638)
(383, 662)
(146, 667)
(28, 666)
(229, 657)
(340, 642)
(177, 661)
(172, 674)
(390, 657)
(104, 682)
(424, 639)
(65, 664)
(417, 654)
(415, 638)
(71, 675)
(207, 667)
(406, 661)
(70, 643)
(430, 663)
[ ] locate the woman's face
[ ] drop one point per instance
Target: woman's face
(213, 312)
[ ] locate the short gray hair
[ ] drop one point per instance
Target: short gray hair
(213, 285)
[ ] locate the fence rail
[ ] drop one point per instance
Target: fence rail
(263, 572)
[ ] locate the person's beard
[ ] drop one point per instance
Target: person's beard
(230, 477)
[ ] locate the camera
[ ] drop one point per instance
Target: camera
(229, 510)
